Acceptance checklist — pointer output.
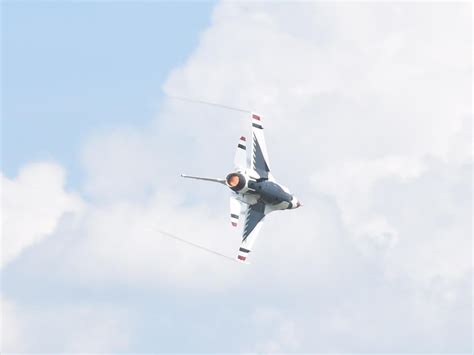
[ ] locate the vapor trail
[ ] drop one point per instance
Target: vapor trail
(208, 103)
(193, 244)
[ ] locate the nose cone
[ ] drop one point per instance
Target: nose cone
(296, 203)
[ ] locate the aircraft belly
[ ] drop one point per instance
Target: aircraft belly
(276, 207)
(281, 206)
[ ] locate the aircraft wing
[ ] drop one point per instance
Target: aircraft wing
(253, 222)
(259, 155)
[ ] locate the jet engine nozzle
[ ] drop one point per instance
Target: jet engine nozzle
(236, 181)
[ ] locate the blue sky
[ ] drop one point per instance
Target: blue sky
(69, 69)
(367, 109)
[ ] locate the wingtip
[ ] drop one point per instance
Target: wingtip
(245, 262)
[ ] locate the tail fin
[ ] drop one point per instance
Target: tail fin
(220, 181)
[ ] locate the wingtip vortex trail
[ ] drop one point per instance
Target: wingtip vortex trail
(162, 232)
(185, 99)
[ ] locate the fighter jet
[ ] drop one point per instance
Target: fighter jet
(255, 192)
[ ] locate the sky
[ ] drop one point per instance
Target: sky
(367, 109)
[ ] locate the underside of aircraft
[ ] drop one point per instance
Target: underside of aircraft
(254, 191)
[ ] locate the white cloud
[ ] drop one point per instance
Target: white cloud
(275, 332)
(10, 328)
(32, 205)
(64, 328)
(339, 81)
(351, 182)
(122, 243)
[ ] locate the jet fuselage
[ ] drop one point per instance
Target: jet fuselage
(269, 192)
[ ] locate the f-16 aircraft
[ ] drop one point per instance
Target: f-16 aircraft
(255, 192)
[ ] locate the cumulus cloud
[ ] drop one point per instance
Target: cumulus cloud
(366, 110)
(32, 206)
(122, 243)
(340, 72)
(64, 328)
(10, 328)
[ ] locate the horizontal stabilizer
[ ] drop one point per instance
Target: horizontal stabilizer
(235, 211)
(240, 159)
